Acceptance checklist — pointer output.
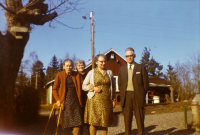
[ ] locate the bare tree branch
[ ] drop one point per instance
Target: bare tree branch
(56, 7)
(10, 11)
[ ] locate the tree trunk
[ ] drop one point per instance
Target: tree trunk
(11, 54)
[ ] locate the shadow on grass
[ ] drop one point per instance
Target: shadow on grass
(163, 132)
(36, 128)
(43, 122)
(156, 104)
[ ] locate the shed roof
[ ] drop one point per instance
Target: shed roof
(50, 82)
(159, 82)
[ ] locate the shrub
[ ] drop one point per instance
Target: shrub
(27, 105)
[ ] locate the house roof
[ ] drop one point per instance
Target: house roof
(89, 63)
(50, 82)
(159, 82)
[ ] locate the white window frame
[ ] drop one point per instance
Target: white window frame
(50, 94)
(116, 83)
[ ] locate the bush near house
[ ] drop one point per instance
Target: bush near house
(27, 105)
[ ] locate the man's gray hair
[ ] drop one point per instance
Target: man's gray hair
(130, 49)
(79, 61)
(69, 60)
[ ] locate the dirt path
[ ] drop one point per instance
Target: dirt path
(155, 124)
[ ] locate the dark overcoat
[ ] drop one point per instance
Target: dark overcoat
(140, 83)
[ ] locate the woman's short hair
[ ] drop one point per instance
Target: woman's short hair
(79, 61)
(69, 60)
(100, 55)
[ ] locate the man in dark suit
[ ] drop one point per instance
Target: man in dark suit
(133, 85)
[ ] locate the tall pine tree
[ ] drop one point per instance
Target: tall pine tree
(172, 77)
(21, 79)
(52, 69)
(171, 74)
(153, 67)
(60, 65)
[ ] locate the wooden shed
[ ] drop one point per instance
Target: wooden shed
(49, 96)
(159, 87)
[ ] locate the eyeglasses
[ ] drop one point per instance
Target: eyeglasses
(128, 56)
(102, 61)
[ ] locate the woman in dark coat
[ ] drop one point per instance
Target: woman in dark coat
(80, 67)
(68, 84)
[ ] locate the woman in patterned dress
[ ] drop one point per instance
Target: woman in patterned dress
(100, 85)
(68, 84)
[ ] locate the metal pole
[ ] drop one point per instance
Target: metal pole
(198, 70)
(36, 82)
(30, 79)
(185, 117)
(92, 38)
(195, 115)
(147, 97)
(172, 95)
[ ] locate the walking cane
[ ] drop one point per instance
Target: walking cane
(61, 107)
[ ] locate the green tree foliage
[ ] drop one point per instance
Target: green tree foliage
(172, 77)
(153, 67)
(52, 69)
(54, 64)
(171, 74)
(26, 97)
(60, 68)
(21, 79)
(27, 105)
(145, 57)
(38, 69)
(39, 75)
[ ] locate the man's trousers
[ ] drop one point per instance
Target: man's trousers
(131, 105)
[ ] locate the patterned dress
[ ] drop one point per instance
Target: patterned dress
(72, 110)
(98, 110)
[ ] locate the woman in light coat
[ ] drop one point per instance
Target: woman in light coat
(100, 85)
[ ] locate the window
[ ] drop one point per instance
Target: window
(118, 98)
(116, 83)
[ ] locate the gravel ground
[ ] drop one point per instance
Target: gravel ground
(155, 124)
(158, 124)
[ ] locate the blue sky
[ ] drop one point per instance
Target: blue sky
(171, 29)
